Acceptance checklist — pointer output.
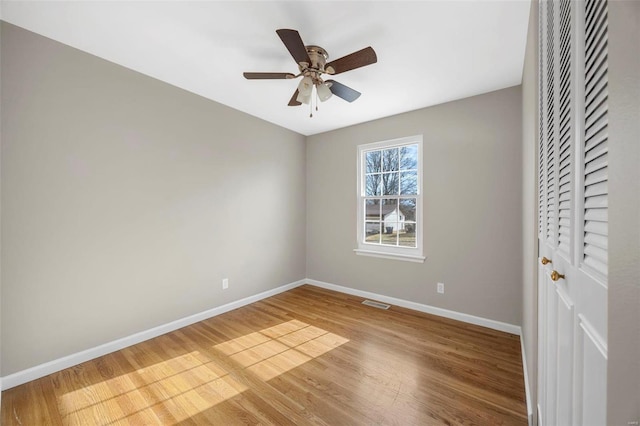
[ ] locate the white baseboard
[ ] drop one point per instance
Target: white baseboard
(527, 390)
(50, 367)
(471, 319)
(540, 416)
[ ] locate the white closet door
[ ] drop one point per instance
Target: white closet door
(572, 191)
(591, 256)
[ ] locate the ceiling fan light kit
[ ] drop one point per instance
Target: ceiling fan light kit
(312, 64)
(305, 90)
(324, 91)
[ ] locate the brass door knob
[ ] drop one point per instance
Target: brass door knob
(545, 261)
(555, 275)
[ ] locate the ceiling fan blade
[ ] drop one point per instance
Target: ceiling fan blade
(294, 101)
(342, 91)
(361, 58)
(267, 75)
(293, 42)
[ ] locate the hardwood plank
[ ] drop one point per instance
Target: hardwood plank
(307, 356)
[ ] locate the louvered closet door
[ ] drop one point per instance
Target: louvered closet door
(572, 191)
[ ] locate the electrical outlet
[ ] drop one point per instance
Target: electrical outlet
(441, 288)
(225, 283)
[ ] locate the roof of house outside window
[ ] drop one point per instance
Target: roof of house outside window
(373, 209)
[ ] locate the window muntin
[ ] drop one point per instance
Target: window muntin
(389, 199)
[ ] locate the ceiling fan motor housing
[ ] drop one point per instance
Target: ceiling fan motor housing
(318, 58)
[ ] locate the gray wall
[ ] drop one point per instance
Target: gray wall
(126, 201)
(0, 207)
(529, 204)
(623, 377)
(472, 207)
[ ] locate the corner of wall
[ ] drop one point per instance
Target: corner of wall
(1, 24)
(623, 363)
(529, 209)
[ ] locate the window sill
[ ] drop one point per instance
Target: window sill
(394, 256)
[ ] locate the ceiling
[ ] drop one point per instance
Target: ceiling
(429, 52)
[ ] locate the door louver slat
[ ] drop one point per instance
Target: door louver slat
(596, 228)
(599, 188)
(591, 179)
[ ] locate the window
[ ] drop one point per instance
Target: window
(390, 199)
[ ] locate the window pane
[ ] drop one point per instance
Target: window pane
(390, 218)
(389, 204)
(373, 161)
(409, 157)
(372, 185)
(409, 183)
(407, 235)
(390, 160)
(390, 234)
(372, 232)
(372, 210)
(408, 209)
(390, 184)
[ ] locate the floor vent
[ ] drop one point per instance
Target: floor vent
(378, 305)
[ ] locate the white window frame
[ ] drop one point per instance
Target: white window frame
(411, 254)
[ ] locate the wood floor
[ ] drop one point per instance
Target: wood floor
(307, 356)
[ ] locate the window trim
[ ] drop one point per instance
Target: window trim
(410, 254)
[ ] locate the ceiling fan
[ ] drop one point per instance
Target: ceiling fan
(312, 64)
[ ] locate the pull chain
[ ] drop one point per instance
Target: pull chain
(311, 104)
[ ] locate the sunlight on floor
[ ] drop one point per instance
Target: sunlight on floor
(184, 385)
(189, 384)
(280, 348)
